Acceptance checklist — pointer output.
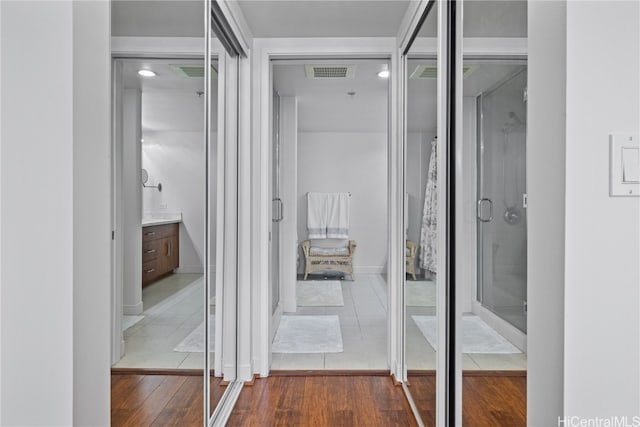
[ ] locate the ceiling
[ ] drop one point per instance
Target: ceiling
(422, 93)
(155, 18)
(325, 106)
(170, 100)
(481, 18)
(313, 18)
(324, 18)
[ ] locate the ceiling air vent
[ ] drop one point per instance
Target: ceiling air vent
(324, 71)
(193, 71)
(431, 71)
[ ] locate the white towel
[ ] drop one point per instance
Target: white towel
(338, 207)
(317, 215)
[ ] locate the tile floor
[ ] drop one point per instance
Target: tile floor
(363, 321)
(421, 356)
(172, 310)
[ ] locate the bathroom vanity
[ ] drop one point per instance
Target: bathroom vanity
(160, 250)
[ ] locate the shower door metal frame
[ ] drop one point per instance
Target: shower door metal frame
(479, 186)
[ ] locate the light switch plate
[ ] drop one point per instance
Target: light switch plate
(624, 165)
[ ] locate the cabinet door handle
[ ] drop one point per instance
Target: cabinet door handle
(151, 251)
(169, 248)
(150, 271)
(150, 233)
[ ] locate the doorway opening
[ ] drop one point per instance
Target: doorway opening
(329, 240)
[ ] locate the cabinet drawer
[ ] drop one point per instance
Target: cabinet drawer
(150, 250)
(158, 232)
(160, 251)
(149, 272)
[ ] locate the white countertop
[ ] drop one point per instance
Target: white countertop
(161, 219)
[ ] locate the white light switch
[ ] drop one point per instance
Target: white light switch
(624, 165)
(631, 165)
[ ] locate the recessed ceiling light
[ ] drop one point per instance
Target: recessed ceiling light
(384, 74)
(146, 73)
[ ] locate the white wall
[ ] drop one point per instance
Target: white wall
(131, 202)
(54, 243)
(91, 214)
(349, 162)
(545, 186)
(176, 159)
(602, 288)
(37, 231)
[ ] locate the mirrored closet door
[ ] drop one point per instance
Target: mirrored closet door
(169, 186)
(491, 184)
(422, 281)
(466, 207)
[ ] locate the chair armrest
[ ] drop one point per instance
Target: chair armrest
(412, 248)
(305, 247)
(352, 246)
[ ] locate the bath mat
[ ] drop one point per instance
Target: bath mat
(477, 336)
(420, 293)
(308, 334)
(194, 342)
(129, 321)
(326, 293)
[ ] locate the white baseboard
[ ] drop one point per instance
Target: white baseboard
(368, 269)
(132, 310)
(360, 269)
(289, 305)
(193, 269)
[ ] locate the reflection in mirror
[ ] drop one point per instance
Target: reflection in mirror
(162, 129)
(492, 180)
(160, 255)
(421, 217)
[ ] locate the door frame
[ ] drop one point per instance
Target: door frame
(300, 48)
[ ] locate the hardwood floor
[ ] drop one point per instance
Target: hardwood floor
(322, 401)
(318, 400)
(159, 400)
(488, 399)
(494, 401)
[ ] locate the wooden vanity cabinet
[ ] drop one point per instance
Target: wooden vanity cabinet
(160, 251)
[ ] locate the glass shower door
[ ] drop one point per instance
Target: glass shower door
(502, 203)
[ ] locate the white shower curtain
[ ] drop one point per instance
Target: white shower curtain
(428, 231)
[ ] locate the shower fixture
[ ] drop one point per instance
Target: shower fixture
(515, 118)
(512, 213)
(513, 123)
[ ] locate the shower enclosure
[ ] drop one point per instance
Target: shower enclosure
(502, 199)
